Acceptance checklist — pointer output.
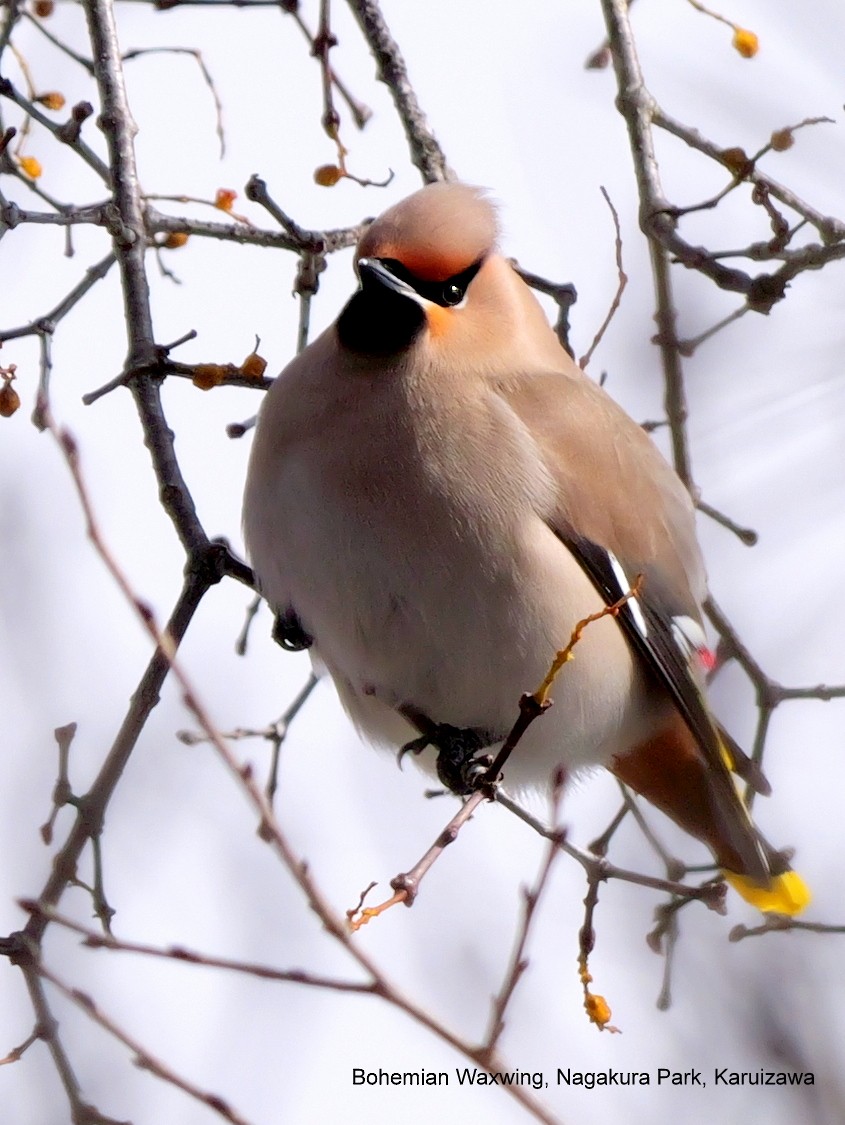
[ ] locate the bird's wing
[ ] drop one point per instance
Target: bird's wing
(674, 650)
(622, 512)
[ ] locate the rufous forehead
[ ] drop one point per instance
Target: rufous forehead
(435, 233)
(426, 262)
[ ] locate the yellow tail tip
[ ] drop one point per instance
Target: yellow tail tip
(786, 894)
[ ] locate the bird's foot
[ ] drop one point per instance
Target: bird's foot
(460, 767)
(289, 633)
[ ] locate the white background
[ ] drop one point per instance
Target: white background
(506, 92)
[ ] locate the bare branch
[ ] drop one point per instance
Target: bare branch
(426, 153)
(60, 132)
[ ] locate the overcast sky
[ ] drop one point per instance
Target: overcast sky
(505, 89)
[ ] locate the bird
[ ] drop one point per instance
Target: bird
(437, 494)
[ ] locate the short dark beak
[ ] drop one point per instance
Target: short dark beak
(373, 270)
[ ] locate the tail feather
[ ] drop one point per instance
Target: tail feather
(672, 773)
(743, 766)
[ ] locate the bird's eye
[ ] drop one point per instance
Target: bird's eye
(453, 293)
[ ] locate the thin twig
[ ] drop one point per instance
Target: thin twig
(96, 940)
(621, 282)
(204, 71)
(745, 535)
(142, 1057)
(598, 866)
(361, 113)
(531, 899)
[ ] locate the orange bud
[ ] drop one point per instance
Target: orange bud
(224, 199)
(327, 175)
(782, 139)
(598, 1010)
(52, 100)
(254, 366)
(737, 160)
(175, 239)
(43, 8)
(208, 375)
(30, 166)
(745, 42)
(9, 400)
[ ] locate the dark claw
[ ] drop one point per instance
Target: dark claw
(415, 746)
(288, 632)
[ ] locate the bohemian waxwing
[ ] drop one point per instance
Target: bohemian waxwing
(437, 494)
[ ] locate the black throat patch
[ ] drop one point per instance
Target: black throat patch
(379, 321)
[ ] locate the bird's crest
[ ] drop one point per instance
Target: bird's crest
(435, 233)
